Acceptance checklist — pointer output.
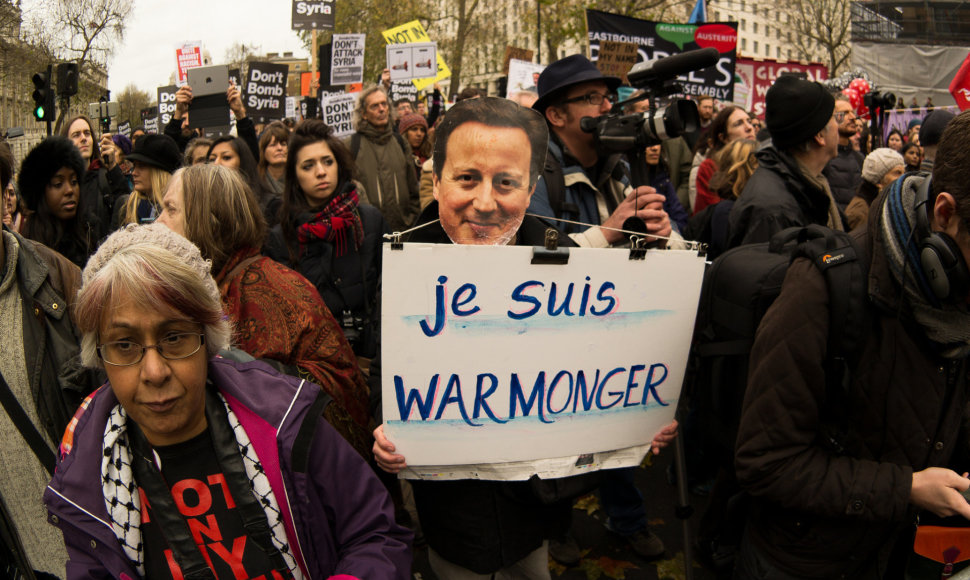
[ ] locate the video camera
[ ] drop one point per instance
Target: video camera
(618, 132)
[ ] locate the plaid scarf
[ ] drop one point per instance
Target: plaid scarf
(332, 222)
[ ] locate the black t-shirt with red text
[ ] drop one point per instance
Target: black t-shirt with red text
(191, 470)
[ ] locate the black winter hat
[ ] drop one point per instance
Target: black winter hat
(932, 129)
(566, 72)
(796, 110)
(158, 151)
(46, 159)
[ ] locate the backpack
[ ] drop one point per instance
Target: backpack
(737, 291)
(355, 143)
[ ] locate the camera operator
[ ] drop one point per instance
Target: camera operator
(579, 183)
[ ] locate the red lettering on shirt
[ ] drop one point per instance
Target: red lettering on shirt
(201, 490)
(145, 506)
(218, 478)
(173, 567)
(234, 558)
(209, 529)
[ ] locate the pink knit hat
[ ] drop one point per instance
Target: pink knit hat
(410, 120)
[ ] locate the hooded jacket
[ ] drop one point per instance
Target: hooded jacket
(776, 197)
(337, 515)
(844, 174)
(822, 511)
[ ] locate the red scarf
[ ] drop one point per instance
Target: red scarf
(332, 222)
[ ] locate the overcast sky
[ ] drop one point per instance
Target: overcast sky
(156, 27)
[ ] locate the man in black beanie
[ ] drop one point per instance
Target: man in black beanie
(788, 188)
(930, 133)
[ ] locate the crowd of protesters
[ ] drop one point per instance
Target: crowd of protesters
(224, 294)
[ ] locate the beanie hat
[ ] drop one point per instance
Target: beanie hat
(159, 236)
(880, 162)
(46, 159)
(933, 125)
(410, 120)
(123, 143)
(158, 151)
(913, 123)
(796, 110)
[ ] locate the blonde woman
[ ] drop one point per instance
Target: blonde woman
(155, 158)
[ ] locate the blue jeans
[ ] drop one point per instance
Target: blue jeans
(622, 502)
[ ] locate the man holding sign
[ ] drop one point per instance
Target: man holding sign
(487, 160)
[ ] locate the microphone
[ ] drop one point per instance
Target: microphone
(672, 66)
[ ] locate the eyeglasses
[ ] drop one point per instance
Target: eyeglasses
(123, 353)
(840, 116)
(595, 99)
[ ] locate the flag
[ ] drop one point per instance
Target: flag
(960, 85)
(699, 15)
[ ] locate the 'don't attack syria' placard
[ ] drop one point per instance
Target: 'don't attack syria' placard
(656, 40)
(265, 90)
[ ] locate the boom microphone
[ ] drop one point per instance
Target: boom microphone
(672, 66)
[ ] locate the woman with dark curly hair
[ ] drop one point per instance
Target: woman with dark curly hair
(327, 235)
(50, 183)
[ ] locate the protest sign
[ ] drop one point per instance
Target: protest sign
(616, 58)
(266, 90)
(151, 126)
(187, 56)
(660, 39)
(125, 128)
(755, 77)
(234, 77)
(405, 90)
(411, 61)
(499, 360)
(310, 14)
(512, 52)
(338, 112)
(523, 76)
(414, 32)
(347, 59)
(166, 104)
(291, 107)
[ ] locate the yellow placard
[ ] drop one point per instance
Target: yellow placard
(414, 32)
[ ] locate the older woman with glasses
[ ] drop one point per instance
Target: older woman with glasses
(181, 440)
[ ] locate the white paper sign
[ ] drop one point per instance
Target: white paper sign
(338, 112)
(489, 359)
(416, 60)
(523, 76)
(347, 59)
(291, 107)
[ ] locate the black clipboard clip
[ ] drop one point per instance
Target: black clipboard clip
(396, 243)
(551, 253)
(638, 247)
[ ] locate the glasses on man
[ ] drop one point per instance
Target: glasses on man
(122, 353)
(840, 116)
(595, 99)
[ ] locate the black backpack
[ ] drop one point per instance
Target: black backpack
(355, 143)
(737, 291)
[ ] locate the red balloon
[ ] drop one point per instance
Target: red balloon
(855, 99)
(863, 112)
(861, 85)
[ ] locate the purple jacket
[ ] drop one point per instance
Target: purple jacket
(343, 521)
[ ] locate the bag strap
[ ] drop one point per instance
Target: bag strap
(355, 145)
(26, 427)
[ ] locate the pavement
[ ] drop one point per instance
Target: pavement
(607, 557)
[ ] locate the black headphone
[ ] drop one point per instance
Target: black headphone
(940, 257)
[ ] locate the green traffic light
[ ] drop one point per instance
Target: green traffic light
(39, 113)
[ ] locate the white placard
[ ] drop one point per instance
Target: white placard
(490, 359)
(416, 60)
(338, 112)
(347, 59)
(523, 76)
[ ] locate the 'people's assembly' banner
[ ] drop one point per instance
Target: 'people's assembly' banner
(266, 90)
(755, 77)
(310, 14)
(166, 104)
(659, 39)
(414, 32)
(502, 368)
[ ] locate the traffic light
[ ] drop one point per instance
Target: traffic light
(43, 96)
(67, 79)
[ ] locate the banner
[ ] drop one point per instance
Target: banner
(266, 90)
(659, 39)
(414, 32)
(125, 129)
(411, 61)
(616, 58)
(187, 56)
(338, 112)
(166, 104)
(960, 85)
(523, 76)
(310, 14)
(151, 126)
(405, 90)
(347, 59)
(755, 77)
(498, 360)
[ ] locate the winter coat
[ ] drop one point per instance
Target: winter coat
(777, 196)
(389, 179)
(349, 283)
(337, 515)
(835, 511)
(100, 189)
(844, 174)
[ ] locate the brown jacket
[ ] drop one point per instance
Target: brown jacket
(822, 514)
